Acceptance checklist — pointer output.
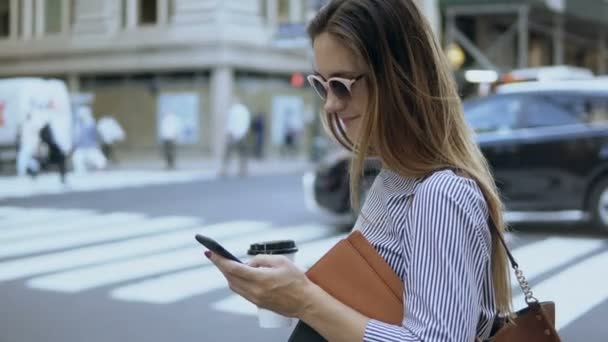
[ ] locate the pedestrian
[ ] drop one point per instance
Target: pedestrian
(57, 155)
(388, 93)
(87, 153)
(170, 127)
(258, 128)
(237, 127)
(110, 133)
(29, 141)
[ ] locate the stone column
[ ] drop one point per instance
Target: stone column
(132, 14)
(163, 11)
(558, 39)
(296, 11)
(39, 17)
(73, 83)
(222, 88)
(602, 67)
(66, 16)
(272, 14)
(27, 18)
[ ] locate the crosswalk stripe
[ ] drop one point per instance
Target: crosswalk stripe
(95, 255)
(309, 253)
(574, 290)
(86, 278)
(548, 254)
(177, 286)
(34, 217)
(135, 228)
(85, 222)
(8, 212)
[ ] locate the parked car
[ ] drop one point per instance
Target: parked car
(547, 144)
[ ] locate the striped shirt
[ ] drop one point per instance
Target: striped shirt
(435, 236)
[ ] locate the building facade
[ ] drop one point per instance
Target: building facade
(137, 58)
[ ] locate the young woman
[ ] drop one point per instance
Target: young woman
(389, 93)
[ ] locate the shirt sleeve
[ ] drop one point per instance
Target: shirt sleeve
(447, 258)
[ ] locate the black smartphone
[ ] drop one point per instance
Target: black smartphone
(215, 247)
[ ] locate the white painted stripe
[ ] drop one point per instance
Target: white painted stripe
(82, 279)
(574, 290)
(20, 268)
(34, 217)
(86, 222)
(26, 216)
(177, 286)
(22, 215)
(8, 211)
(309, 253)
(549, 254)
(81, 237)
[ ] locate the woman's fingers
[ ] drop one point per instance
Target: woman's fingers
(265, 260)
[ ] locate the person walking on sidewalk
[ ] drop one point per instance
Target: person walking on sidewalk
(110, 133)
(433, 213)
(239, 120)
(87, 153)
(169, 132)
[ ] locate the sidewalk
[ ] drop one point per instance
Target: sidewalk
(268, 166)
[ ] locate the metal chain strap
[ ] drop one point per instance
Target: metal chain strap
(525, 287)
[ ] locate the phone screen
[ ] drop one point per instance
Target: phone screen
(215, 247)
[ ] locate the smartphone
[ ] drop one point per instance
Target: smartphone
(215, 247)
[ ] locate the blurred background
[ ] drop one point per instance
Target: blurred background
(127, 126)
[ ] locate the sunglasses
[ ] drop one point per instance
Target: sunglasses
(340, 87)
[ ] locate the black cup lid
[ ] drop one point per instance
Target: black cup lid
(273, 247)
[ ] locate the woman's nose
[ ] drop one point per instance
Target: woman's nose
(332, 103)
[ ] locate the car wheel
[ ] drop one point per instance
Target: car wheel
(599, 205)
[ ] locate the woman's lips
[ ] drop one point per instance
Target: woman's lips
(349, 119)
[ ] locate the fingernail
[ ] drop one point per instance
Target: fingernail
(208, 254)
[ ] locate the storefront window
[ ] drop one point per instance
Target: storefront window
(148, 12)
(5, 18)
(52, 16)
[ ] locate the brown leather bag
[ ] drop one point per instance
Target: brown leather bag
(356, 275)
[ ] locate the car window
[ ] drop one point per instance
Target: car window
(547, 111)
(496, 113)
(597, 109)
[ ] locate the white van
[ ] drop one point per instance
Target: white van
(18, 96)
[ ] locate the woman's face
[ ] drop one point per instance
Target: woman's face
(334, 59)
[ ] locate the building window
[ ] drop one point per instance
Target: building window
(5, 18)
(148, 12)
(53, 16)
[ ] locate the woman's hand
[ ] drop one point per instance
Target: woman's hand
(271, 282)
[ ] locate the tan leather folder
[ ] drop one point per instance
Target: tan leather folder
(355, 274)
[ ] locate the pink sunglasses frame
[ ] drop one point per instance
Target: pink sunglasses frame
(348, 83)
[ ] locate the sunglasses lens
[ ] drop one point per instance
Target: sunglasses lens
(339, 89)
(319, 88)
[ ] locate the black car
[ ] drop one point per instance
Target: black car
(547, 145)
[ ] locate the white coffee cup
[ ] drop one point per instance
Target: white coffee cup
(287, 248)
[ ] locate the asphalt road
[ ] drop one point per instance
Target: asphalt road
(119, 263)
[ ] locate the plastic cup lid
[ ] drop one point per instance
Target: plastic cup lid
(273, 247)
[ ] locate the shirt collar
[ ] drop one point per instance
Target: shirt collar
(399, 183)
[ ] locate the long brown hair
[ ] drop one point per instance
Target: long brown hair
(414, 121)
